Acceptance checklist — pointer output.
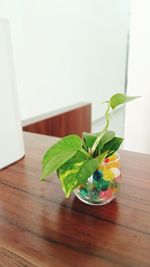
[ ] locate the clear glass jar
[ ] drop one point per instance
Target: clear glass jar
(102, 187)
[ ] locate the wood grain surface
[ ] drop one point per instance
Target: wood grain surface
(39, 227)
(75, 121)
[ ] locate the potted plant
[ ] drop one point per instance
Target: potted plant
(89, 166)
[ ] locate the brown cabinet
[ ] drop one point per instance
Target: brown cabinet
(74, 120)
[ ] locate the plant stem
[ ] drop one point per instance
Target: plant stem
(107, 118)
(103, 131)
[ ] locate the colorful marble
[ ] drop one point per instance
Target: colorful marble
(104, 184)
(106, 194)
(115, 171)
(98, 174)
(108, 175)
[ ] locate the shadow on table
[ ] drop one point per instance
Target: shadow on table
(81, 230)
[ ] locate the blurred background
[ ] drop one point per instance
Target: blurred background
(67, 52)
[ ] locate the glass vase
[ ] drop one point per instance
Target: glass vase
(102, 187)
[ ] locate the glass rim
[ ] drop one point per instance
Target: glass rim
(112, 161)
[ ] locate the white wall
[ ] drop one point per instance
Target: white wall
(137, 123)
(67, 51)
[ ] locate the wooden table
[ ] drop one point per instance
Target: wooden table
(39, 227)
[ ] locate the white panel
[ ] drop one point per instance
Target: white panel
(11, 142)
(137, 123)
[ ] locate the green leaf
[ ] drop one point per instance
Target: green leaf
(76, 171)
(59, 153)
(105, 138)
(112, 146)
(89, 139)
(68, 172)
(87, 169)
(84, 146)
(119, 99)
